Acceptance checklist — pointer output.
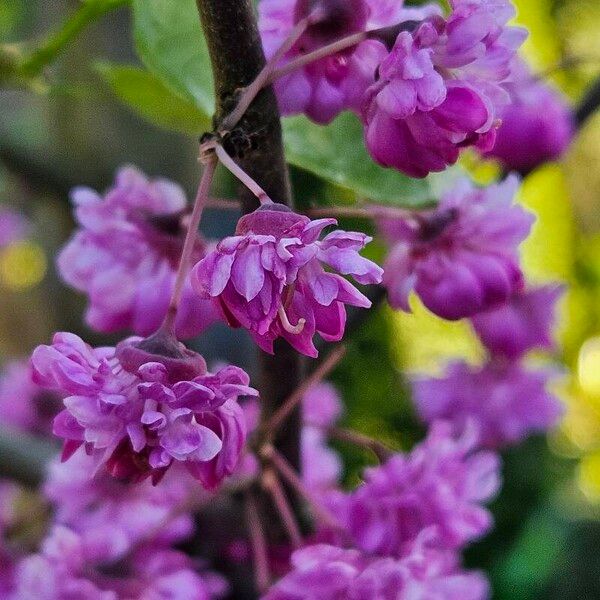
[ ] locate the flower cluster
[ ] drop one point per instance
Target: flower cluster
(331, 573)
(439, 89)
(461, 257)
(125, 254)
(269, 277)
(138, 412)
(529, 136)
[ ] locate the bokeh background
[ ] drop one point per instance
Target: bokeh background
(74, 131)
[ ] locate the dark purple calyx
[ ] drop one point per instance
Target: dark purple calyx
(181, 364)
(340, 18)
(434, 225)
(271, 219)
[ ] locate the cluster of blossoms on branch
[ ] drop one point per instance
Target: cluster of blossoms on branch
(150, 435)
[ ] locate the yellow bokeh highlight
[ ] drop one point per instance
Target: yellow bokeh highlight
(589, 476)
(588, 368)
(22, 265)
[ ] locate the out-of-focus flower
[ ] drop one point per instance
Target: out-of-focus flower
(460, 258)
(439, 486)
(125, 254)
(24, 405)
(63, 571)
(332, 573)
(9, 493)
(14, 227)
(269, 277)
(144, 405)
(111, 516)
(337, 82)
(520, 325)
(441, 88)
(537, 125)
(505, 401)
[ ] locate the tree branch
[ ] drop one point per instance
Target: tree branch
(237, 58)
(588, 105)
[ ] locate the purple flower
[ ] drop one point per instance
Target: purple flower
(138, 410)
(24, 405)
(62, 570)
(440, 89)
(125, 254)
(112, 517)
(269, 278)
(439, 487)
(333, 573)
(528, 136)
(505, 401)
(520, 325)
(14, 227)
(460, 258)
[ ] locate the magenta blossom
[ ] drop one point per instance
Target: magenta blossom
(332, 573)
(460, 258)
(24, 405)
(138, 411)
(62, 570)
(528, 136)
(505, 401)
(441, 88)
(14, 227)
(269, 278)
(520, 325)
(111, 516)
(125, 254)
(439, 486)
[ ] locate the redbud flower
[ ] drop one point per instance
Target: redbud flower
(460, 258)
(269, 277)
(528, 136)
(337, 82)
(125, 255)
(332, 573)
(145, 405)
(505, 401)
(13, 226)
(113, 517)
(439, 486)
(441, 88)
(24, 405)
(520, 325)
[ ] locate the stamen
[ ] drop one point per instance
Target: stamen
(294, 329)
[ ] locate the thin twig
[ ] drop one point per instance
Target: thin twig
(361, 440)
(240, 174)
(281, 414)
(258, 541)
(272, 484)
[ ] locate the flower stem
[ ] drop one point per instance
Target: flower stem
(292, 478)
(263, 78)
(190, 241)
(272, 484)
(282, 413)
(362, 441)
(258, 542)
(240, 174)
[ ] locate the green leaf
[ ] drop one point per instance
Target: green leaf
(170, 42)
(337, 153)
(149, 97)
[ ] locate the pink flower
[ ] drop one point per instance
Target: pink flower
(441, 88)
(439, 486)
(333, 573)
(24, 405)
(528, 136)
(460, 258)
(337, 82)
(269, 278)
(505, 401)
(125, 254)
(520, 325)
(138, 410)
(14, 227)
